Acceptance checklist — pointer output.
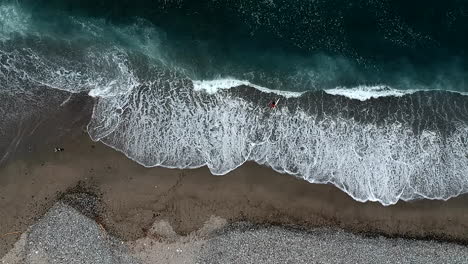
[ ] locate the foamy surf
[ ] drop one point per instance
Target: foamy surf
(13, 21)
(363, 93)
(213, 86)
(370, 162)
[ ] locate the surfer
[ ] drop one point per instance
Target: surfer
(273, 104)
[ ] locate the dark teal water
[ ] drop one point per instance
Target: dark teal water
(291, 44)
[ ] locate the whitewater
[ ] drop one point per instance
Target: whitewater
(374, 142)
(373, 162)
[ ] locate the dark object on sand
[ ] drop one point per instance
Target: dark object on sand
(57, 149)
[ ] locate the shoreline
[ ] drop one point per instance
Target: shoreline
(133, 197)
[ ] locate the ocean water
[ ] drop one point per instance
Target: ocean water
(373, 95)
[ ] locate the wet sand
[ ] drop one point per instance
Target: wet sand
(132, 197)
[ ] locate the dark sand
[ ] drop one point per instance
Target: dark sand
(133, 197)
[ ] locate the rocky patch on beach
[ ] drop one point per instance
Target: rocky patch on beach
(69, 233)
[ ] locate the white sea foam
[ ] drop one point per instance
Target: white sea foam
(13, 21)
(363, 93)
(102, 73)
(212, 86)
(189, 129)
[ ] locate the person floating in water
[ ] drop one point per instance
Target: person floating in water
(273, 104)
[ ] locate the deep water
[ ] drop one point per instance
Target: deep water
(291, 44)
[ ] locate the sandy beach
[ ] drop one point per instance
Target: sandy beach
(132, 198)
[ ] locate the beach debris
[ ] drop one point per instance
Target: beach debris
(102, 228)
(57, 149)
(11, 233)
